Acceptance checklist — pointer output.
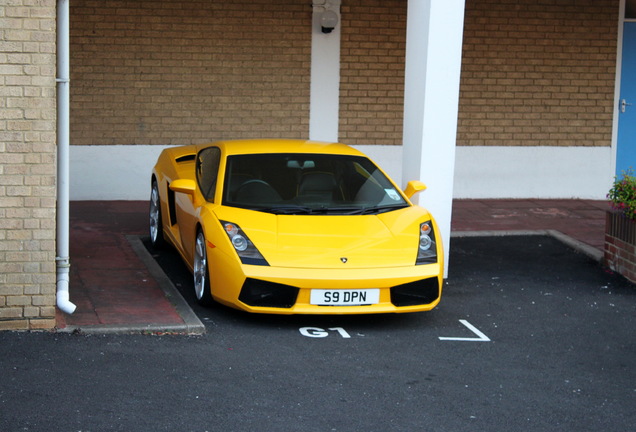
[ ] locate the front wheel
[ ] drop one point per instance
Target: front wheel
(155, 222)
(201, 273)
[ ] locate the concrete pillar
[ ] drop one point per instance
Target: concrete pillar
(325, 71)
(433, 64)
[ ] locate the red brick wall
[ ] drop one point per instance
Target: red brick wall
(620, 256)
(620, 245)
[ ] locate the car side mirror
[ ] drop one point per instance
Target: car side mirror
(414, 187)
(185, 186)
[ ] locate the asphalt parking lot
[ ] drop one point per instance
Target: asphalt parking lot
(530, 335)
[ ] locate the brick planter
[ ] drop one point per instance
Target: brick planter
(620, 245)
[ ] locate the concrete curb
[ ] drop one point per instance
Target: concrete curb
(192, 322)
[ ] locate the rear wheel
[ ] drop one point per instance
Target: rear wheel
(200, 271)
(156, 227)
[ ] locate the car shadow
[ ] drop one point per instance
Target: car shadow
(220, 315)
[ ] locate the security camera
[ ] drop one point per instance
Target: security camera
(328, 21)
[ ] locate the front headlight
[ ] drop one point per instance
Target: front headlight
(243, 245)
(427, 250)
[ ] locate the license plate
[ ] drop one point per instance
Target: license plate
(344, 297)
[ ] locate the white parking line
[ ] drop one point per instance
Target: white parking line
(482, 337)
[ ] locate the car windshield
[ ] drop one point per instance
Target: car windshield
(308, 184)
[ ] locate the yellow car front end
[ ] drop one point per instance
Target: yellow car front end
(355, 264)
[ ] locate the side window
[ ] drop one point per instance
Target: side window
(208, 170)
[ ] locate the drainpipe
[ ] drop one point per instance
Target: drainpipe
(63, 143)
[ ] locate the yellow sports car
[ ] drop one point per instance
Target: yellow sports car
(295, 227)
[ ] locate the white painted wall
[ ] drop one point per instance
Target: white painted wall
(515, 172)
(533, 172)
(112, 172)
(123, 172)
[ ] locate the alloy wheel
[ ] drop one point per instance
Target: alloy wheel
(156, 235)
(200, 268)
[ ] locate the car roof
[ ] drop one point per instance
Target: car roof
(268, 146)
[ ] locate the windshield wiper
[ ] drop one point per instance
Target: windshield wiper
(303, 210)
(336, 210)
(379, 209)
(291, 210)
(287, 210)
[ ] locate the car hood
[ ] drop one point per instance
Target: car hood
(333, 241)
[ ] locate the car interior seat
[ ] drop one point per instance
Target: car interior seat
(320, 186)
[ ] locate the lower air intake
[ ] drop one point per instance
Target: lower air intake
(260, 293)
(415, 293)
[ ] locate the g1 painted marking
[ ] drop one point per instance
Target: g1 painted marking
(482, 337)
(317, 332)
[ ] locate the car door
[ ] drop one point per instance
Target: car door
(188, 206)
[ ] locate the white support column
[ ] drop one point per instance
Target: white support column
(325, 71)
(433, 65)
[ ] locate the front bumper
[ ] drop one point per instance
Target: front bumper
(287, 290)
